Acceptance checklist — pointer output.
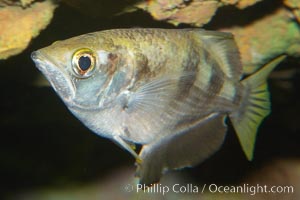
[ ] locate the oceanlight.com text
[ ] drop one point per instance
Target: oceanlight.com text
(250, 189)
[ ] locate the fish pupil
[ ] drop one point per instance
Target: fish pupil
(84, 63)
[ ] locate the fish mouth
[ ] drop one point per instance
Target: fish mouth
(58, 79)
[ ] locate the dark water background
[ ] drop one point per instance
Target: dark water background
(42, 144)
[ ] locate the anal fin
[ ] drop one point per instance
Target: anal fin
(181, 150)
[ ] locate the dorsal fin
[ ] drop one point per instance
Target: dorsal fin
(222, 47)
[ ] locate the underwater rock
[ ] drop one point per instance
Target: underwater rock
(180, 11)
(245, 3)
(19, 24)
(195, 12)
(294, 5)
(241, 4)
(26, 2)
(22, 3)
(266, 38)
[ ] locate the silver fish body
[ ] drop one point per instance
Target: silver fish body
(168, 90)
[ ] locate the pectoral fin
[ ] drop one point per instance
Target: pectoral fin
(181, 150)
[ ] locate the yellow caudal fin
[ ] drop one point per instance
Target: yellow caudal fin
(254, 108)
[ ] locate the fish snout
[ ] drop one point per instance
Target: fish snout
(57, 76)
(38, 59)
(34, 55)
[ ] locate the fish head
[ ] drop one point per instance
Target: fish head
(86, 71)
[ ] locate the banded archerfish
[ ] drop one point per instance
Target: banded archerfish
(165, 89)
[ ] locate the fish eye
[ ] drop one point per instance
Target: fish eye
(83, 62)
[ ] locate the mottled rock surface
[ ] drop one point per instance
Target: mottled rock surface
(20, 24)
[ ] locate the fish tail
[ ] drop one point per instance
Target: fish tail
(255, 106)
